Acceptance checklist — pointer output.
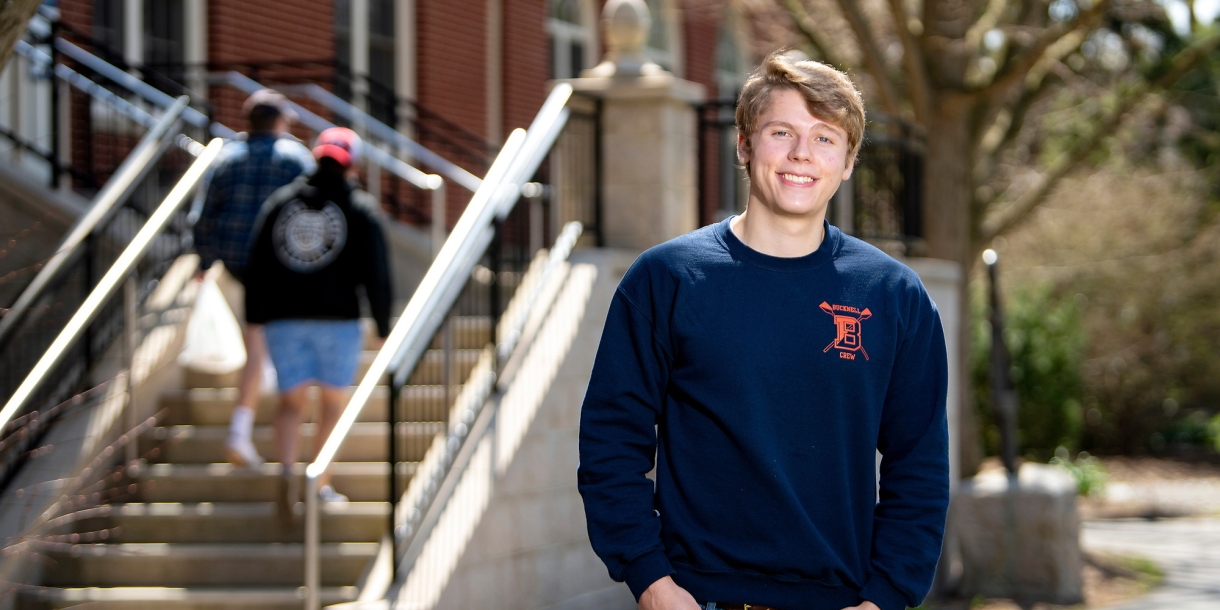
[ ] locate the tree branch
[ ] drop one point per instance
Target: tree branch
(800, 18)
(1047, 42)
(1028, 201)
(872, 57)
(986, 22)
(919, 85)
(15, 16)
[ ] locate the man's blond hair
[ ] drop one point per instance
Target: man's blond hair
(829, 94)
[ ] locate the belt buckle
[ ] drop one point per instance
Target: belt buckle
(746, 607)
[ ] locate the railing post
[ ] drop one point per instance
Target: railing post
(599, 220)
(90, 255)
(130, 339)
(312, 569)
(438, 218)
(55, 151)
(392, 418)
(497, 244)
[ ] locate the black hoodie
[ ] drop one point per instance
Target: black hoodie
(315, 241)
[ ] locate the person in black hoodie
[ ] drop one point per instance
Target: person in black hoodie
(316, 243)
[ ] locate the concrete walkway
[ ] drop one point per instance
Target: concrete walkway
(1188, 550)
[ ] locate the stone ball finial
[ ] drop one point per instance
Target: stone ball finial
(625, 24)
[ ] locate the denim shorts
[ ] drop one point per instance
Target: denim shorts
(327, 351)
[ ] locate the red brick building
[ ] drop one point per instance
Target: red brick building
(457, 75)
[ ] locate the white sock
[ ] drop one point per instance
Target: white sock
(242, 422)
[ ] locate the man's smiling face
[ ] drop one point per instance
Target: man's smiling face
(796, 159)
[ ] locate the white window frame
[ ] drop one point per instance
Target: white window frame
(564, 33)
(672, 59)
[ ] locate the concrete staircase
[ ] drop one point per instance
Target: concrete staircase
(193, 532)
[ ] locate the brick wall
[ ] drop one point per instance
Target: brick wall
(526, 60)
(259, 31)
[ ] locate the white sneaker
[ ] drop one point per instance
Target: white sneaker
(241, 452)
(328, 494)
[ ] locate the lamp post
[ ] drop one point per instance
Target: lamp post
(1003, 395)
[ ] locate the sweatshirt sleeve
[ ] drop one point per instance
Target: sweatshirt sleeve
(377, 285)
(217, 192)
(618, 443)
(261, 254)
(909, 519)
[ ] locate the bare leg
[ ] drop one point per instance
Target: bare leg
(288, 425)
(241, 423)
(333, 401)
(252, 374)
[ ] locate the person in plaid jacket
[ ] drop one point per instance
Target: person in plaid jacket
(249, 170)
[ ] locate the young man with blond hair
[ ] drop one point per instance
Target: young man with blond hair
(759, 364)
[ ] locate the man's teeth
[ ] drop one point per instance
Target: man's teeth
(797, 179)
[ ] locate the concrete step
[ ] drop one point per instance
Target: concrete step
(367, 442)
(229, 522)
(466, 332)
(178, 598)
(198, 379)
(360, 481)
(194, 565)
(427, 372)
(213, 406)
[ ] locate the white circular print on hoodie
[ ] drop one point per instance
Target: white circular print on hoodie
(307, 240)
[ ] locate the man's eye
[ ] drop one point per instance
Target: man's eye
(781, 133)
(825, 139)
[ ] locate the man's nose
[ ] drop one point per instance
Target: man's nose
(800, 150)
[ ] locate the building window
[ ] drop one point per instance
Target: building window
(731, 72)
(570, 39)
(377, 33)
(108, 29)
(164, 39)
(661, 37)
(383, 97)
(343, 49)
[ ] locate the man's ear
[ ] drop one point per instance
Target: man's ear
(743, 149)
(851, 165)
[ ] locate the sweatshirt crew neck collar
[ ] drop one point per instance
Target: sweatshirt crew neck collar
(826, 251)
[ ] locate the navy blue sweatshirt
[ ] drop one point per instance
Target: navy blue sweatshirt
(763, 387)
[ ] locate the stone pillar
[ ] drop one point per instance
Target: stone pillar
(1017, 538)
(649, 139)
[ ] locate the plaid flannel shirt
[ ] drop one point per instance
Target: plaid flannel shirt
(246, 174)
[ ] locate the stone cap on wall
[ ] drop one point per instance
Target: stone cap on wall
(655, 86)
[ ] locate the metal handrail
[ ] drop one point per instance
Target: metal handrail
(106, 287)
(118, 189)
(395, 165)
(42, 60)
(438, 482)
(359, 117)
(132, 83)
(500, 189)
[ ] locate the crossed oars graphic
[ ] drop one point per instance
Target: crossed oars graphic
(864, 315)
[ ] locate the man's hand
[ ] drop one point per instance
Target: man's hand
(665, 594)
(864, 606)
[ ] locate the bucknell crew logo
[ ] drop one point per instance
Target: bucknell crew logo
(847, 330)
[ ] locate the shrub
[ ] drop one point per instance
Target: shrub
(1090, 474)
(1046, 341)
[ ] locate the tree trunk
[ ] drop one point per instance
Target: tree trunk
(14, 17)
(948, 187)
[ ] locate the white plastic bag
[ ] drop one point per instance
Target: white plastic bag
(213, 337)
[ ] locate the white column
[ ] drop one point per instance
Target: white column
(133, 32)
(495, 70)
(196, 31)
(360, 53)
(404, 62)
